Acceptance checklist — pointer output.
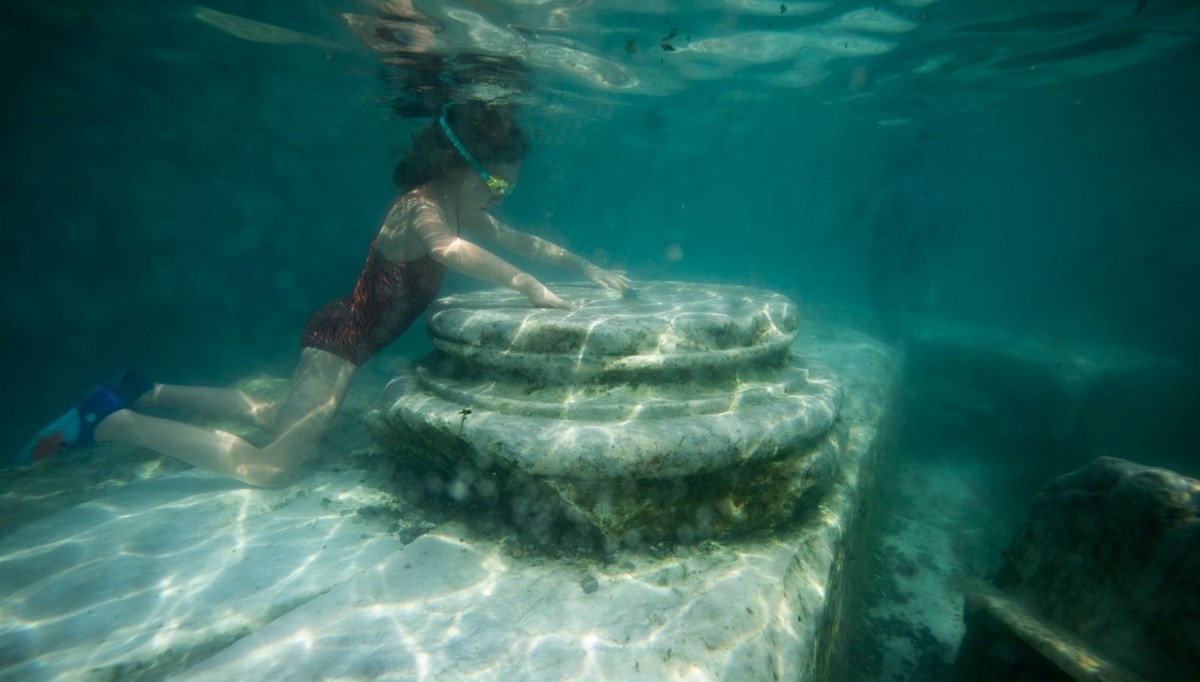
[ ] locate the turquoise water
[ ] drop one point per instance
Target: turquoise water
(180, 197)
(184, 184)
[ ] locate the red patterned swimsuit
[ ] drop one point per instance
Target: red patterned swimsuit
(389, 296)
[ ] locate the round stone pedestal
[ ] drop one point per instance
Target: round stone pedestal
(676, 412)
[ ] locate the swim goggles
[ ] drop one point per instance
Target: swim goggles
(499, 187)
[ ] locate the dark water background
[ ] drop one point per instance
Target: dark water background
(179, 199)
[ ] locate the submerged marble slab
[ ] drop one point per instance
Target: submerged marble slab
(454, 605)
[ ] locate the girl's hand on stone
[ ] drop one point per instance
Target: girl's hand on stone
(609, 279)
(542, 297)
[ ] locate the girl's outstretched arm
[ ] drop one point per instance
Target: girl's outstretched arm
(541, 250)
(470, 259)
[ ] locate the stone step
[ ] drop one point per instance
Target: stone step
(665, 326)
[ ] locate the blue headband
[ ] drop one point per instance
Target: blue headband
(498, 186)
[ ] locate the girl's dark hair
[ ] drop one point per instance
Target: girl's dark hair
(488, 131)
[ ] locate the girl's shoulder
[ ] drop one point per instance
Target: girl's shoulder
(410, 215)
(411, 205)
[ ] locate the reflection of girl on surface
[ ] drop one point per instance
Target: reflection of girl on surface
(459, 165)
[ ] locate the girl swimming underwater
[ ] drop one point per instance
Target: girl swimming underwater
(464, 162)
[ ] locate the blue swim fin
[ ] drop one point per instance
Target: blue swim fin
(74, 429)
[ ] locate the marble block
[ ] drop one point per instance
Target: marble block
(1100, 581)
(602, 415)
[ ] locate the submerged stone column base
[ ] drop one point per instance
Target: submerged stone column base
(681, 413)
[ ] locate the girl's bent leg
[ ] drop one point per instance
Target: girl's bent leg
(217, 402)
(318, 388)
(210, 449)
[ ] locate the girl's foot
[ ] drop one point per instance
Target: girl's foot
(77, 427)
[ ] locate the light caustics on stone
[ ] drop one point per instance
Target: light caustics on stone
(604, 407)
(159, 570)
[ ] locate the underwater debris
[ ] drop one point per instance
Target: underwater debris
(668, 47)
(631, 46)
(589, 584)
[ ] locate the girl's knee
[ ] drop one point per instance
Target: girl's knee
(268, 477)
(284, 459)
(266, 413)
(271, 467)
